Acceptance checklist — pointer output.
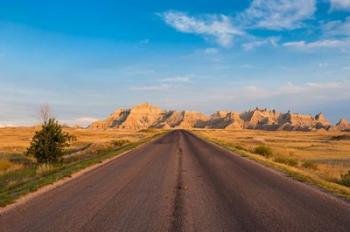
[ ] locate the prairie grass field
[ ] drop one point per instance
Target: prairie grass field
(14, 142)
(320, 155)
(323, 155)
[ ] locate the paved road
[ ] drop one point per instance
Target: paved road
(180, 183)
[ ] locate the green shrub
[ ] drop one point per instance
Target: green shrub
(263, 150)
(48, 144)
(310, 165)
(285, 160)
(345, 179)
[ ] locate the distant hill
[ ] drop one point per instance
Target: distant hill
(146, 116)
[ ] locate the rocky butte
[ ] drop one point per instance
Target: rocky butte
(146, 116)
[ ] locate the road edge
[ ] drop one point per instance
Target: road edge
(335, 191)
(46, 188)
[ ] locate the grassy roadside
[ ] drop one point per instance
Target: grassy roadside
(294, 172)
(32, 180)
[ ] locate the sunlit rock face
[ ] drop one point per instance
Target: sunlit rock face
(146, 116)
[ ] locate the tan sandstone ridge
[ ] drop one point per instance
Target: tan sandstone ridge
(342, 125)
(146, 116)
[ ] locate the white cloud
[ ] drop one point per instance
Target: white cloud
(301, 93)
(323, 65)
(176, 79)
(219, 27)
(164, 84)
(278, 14)
(325, 85)
(152, 87)
(211, 51)
(337, 28)
(86, 119)
(312, 89)
(264, 14)
(82, 121)
(272, 41)
(309, 87)
(295, 44)
(340, 4)
(327, 43)
(8, 125)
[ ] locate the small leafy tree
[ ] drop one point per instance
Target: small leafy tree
(48, 144)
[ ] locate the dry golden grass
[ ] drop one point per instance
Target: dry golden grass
(20, 174)
(8, 166)
(14, 142)
(44, 169)
(328, 152)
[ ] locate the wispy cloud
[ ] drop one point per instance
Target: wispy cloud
(218, 27)
(337, 28)
(294, 94)
(152, 87)
(278, 14)
(8, 125)
(210, 51)
(323, 65)
(163, 84)
(271, 41)
(179, 79)
(311, 87)
(86, 119)
(319, 44)
(264, 14)
(340, 4)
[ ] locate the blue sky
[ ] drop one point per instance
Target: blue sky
(86, 58)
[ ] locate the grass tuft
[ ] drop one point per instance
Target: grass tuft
(239, 147)
(120, 142)
(308, 164)
(263, 150)
(345, 179)
(285, 160)
(44, 169)
(7, 166)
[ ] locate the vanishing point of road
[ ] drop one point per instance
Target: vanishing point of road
(180, 183)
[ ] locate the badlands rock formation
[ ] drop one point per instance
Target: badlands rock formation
(147, 116)
(343, 125)
(140, 117)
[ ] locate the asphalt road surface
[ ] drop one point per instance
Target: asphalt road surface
(180, 183)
